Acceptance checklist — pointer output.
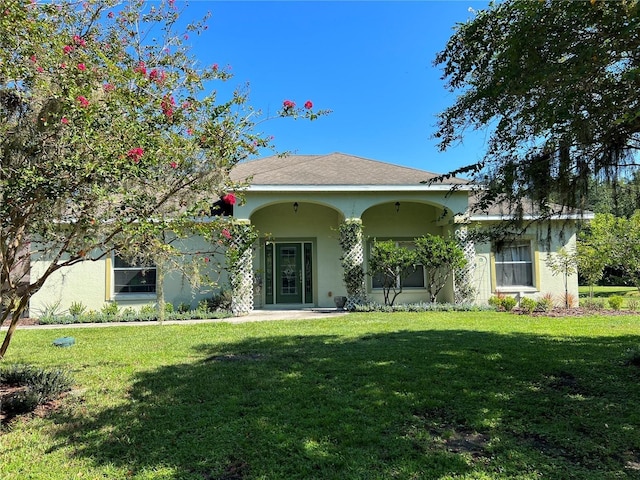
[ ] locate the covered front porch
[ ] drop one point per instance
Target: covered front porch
(298, 261)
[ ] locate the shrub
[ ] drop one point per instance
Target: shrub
(421, 307)
(496, 300)
(615, 302)
(545, 303)
(49, 312)
(633, 304)
(148, 309)
(110, 309)
(528, 305)
(40, 385)
(184, 307)
(77, 308)
(220, 301)
(168, 307)
(502, 302)
(592, 303)
(508, 303)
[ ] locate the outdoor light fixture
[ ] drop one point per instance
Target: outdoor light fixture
(397, 207)
(295, 207)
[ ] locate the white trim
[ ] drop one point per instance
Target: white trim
(561, 216)
(357, 188)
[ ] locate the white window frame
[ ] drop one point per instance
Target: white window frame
(532, 262)
(132, 268)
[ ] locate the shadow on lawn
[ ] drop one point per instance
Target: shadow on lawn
(400, 405)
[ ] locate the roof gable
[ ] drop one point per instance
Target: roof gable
(332, 169)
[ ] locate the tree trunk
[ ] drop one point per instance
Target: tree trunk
(160, 291)
(16, 314)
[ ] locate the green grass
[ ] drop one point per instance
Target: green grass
(608, 291)
(366, 396)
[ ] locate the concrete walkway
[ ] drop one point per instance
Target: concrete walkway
(255, 316)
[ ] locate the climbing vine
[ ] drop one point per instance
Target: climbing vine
(352, 261)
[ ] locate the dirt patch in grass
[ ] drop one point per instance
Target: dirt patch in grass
(457, 441)
(234, 357)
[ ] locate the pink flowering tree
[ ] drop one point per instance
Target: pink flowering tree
(108, 137)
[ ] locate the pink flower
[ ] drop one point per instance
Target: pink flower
(82, 101)
(173, 165)
(65, 120)
(189, 131)
(39, 69)
(63, 65)
(288, 104)
(140, 68)
(33, 59)
(229, 199)
(215, 67)
(108, 87)
(308, 105)
(79, 40)
(167, 104)
(206, 259)
(82, 67)
(135, 154)
(157, 75)
(226, 234)
(67, 49)
(110, 15)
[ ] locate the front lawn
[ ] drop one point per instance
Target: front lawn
(607, 291)
(464, 395)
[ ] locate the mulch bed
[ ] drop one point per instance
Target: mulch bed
(576, 312)
(23, 322)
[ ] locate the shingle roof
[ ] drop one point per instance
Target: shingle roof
(331, 169)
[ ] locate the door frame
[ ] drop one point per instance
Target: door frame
(308, 261)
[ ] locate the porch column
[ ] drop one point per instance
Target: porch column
(353, 262)
(239, 257)
(464, 292)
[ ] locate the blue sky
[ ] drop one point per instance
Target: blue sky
(370, 62)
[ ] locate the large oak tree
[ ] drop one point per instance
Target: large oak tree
(555, 84)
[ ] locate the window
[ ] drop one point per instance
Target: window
(514, 265)
(415, 279)
(133, 278)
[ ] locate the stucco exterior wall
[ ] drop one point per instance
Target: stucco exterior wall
(84, 282)
(545, 242)
(90, 282)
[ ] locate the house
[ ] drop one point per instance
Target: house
(298, 204)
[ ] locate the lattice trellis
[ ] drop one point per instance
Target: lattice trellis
(239, 237)
(464, 292)
(241, 279)
(352, 262)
